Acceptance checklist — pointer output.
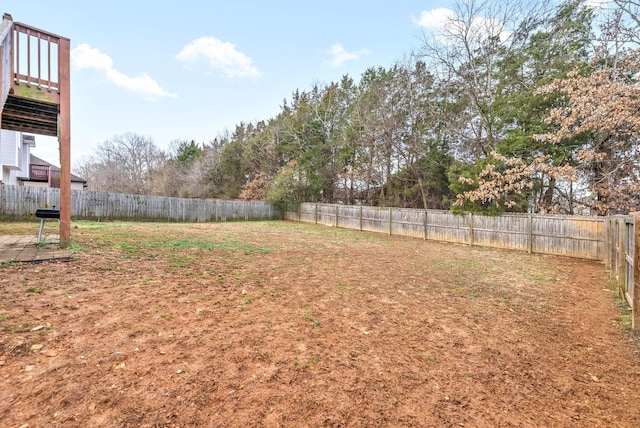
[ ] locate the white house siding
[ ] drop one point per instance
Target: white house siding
(14, 157)
(9, 147)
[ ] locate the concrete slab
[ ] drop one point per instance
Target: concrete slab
(25, 249)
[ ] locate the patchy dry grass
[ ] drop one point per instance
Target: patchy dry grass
(284, 324)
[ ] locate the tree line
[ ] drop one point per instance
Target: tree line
(510, 106)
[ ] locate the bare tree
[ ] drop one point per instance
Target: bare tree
(126, 164)
(205, 175)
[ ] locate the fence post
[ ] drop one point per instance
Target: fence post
(607, 246)
(530, 231)
(614, 248)
(360, 219)
(470, 229)
(390, 215)
(622, 258)
(635, 323)
(337, 215)
(425, 225)
(316, 217)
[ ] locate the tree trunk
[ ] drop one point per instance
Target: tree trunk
(547, 198)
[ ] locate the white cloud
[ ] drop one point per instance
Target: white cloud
(446, 25)
(86, 57)
(435, 19)
(339, 55)
(221, 56)
(486, 27)
(597, 4)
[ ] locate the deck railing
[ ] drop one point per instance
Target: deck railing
(36, 57)
(45, 173)
(39, 172)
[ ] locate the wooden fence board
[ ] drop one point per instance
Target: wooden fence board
(569, 235)
(348, 216)
(508, 231)
(375, 219)
(447, 227)
(407, 222)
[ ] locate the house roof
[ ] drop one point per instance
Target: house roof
(35, 160)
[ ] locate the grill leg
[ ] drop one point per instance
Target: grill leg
(40, 231)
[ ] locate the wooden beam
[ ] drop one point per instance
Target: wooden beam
(64, 139)
(23, 115)
(22, 127)
(34, 92)
(29, 115)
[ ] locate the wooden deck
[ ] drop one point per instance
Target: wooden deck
(35, 95)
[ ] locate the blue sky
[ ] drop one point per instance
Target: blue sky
(193, 69)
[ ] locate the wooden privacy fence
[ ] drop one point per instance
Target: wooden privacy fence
(616, 240)
(622, 259)
(571, 236)
(21, 202)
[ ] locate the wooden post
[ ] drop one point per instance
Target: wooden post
(316, 215)
(622, 257)
(612, 248)
(607, 246)
(470, 229)
(426, 224)
(530, 232)
(337, 216)
(636, 271)
(64, 138)
(360, 219)
(390, 215)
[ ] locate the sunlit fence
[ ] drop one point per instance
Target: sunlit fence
(571, 236)
(614, 240)
(21, 202)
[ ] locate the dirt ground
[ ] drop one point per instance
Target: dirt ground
(280, 324)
